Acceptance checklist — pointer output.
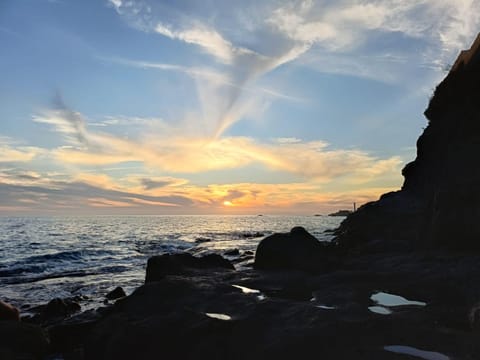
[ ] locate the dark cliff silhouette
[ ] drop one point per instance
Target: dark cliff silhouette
(438, 206)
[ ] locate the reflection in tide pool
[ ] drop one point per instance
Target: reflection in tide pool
(408, 350)
(386, 299)
(224, 317)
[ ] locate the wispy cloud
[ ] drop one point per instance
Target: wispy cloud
(87, 194)
(174, 150)
(208, 39)
(47, 194)
(328, 36)
(12, 152)
(70, 123)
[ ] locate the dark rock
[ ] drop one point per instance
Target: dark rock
(234, 252)
(297, 249)
(438, 205)
(68, 336)
(61, 308)
(8, 312)
(116, 293)
(336, 323)
(248, 252)
(201, 240)
(177, 264)
(252, 235)
(341, 213)
(19, 340)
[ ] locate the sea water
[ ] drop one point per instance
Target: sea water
(46, 257)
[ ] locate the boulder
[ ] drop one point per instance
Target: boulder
(181, 264)
(298, 250)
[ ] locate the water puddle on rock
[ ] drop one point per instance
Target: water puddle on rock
(385, 299)
(422, 354)
(217, 316)
(380, 310)
(249, 291)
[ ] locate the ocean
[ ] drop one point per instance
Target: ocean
(42, 258)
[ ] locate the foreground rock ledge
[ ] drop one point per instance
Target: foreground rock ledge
(224, 314)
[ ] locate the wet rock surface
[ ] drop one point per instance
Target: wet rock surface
(284, 314)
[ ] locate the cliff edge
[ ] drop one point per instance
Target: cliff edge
(438, 206)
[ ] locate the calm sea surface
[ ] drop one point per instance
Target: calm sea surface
(43, 258)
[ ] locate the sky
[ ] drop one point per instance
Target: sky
(216, 106)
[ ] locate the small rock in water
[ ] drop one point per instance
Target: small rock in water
(117, 293)
(253, 235)
(234, 252)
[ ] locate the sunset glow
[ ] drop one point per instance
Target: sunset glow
(155, 107)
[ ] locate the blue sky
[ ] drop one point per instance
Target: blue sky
(185, 107)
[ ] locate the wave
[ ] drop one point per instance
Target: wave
(65, 274)
(70, 255)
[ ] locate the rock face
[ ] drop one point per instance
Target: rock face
(438, 206)
(298, 250)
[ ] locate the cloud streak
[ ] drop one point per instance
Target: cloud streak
(328, 36)
(100, 194)
(171, 149)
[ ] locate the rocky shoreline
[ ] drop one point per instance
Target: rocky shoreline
(203, 308)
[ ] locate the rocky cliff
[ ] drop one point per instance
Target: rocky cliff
(438, 206)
